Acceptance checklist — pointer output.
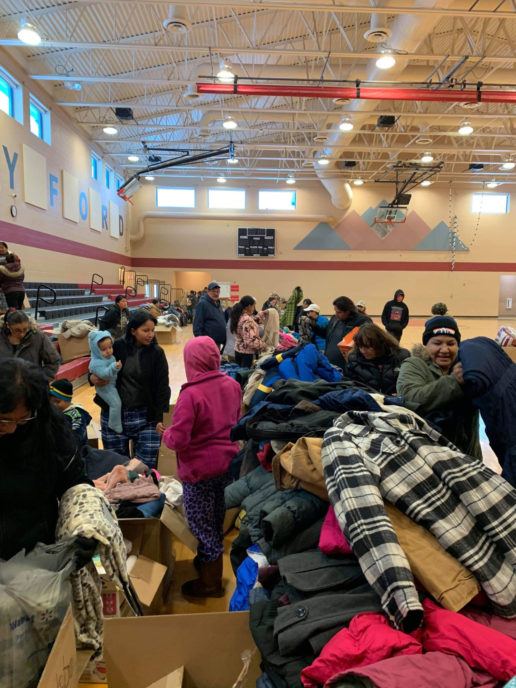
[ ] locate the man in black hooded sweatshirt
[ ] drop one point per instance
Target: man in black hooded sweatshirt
(395, 316)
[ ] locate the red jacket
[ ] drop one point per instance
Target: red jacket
(207, 408)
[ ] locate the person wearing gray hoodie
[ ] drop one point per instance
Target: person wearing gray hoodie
(105, 366)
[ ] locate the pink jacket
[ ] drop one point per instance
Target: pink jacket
(332, 540)
(207, 408)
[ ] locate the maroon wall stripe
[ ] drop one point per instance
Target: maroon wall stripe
(25, 236)
(342, 265)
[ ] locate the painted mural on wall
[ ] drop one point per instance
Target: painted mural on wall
(356, 232)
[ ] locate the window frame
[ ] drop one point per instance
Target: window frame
(226, 190)
(278, 191)
(44, 119)
(108, 176)
(176, 188)
(484, 194)
(9, 95)
(119, 181)
(95, 160)
(15, 98)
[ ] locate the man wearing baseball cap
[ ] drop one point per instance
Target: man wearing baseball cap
(209, 320)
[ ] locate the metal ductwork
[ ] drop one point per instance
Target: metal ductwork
(378, 31)
(177, 20)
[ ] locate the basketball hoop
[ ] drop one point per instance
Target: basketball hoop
(390, 216)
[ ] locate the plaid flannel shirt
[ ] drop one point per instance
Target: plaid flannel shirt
(397, 457)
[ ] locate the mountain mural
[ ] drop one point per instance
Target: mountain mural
(356, 232)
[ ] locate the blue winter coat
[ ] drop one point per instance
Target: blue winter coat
(209, 320)
(303, 362)
(490, 381)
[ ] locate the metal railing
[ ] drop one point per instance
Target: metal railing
(97, 310)
(43, 299)
(96, 279)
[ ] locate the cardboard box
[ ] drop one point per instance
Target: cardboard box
(61, 666)
(74, 347)
(510, 351)
(173, 680)
(143, 650)
(166, 335)
(175, 522)
(148, 579)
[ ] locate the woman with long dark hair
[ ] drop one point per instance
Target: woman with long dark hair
(21, 338)
(40, 460)
(375, 359)
(142, 384)
(248, 342)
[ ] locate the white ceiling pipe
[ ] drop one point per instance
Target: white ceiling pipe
(408, 32)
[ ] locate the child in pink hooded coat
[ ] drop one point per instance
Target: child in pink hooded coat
(207, 408)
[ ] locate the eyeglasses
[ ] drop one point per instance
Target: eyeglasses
(4, 422)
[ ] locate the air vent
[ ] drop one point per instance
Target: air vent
(379, 35)
(191, 93)
(470, 106)
(386, 121)
(350, 163)
(476, 167)
(423, 141)
(177, 20)
(340, 101)
(320, 138)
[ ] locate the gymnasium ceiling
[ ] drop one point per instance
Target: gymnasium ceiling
(122, 56)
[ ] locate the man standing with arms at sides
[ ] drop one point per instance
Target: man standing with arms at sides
(209, 319)
(395, 316)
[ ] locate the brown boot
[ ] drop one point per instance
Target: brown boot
(209, 583)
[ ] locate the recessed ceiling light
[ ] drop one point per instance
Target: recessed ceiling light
(358, 182)
(221, 180)
(492, 185)
(233, 161)
(386, 61)
(426, 182)
(465, 129)
(427, 157)
(28, 34)
(133, 158)
(229, 123)
(346, 125)
(110, 131)
(423, 141)
(291, 180)
(323, 161)
(149, 177)
(508, 165)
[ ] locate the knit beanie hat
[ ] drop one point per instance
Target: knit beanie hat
(61, 389)
(441, 325)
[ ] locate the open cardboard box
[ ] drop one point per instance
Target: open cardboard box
(72, 347)
(142, 650)
(165, 335)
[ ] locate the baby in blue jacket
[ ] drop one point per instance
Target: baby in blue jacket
(104, 365)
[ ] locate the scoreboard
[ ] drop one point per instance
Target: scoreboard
(254, 241)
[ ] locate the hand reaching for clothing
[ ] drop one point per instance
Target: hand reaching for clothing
(458, 373)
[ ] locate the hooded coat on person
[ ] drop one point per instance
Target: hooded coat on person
(106, 369)
(288, 317)
(395, 315)
(379, 373)
(209, 320)
(490, 381)
(12, 276)
(207, 408)
(35, 347)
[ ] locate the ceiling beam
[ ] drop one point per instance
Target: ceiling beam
(323, 7)
(240, 50)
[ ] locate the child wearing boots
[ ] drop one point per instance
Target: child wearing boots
(207, 408)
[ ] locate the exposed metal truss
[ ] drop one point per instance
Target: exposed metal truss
(122, 57)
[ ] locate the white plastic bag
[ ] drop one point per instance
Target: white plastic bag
(35, 593)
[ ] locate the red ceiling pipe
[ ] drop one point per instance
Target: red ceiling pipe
(362, 92)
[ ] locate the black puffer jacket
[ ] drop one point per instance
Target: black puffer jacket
(379, 373)
(33, 483)
(154, 369)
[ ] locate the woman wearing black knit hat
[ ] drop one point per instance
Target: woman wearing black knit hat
(431, 383)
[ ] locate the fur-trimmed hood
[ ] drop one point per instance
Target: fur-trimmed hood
(419, 351)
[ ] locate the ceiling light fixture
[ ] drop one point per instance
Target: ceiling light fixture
(386, 61)
(465, 129)
(323, 161)
(233, 161)
(73, 85)
(426, 182)
(427, 157)
(110, 131)
(28, 34)
(492, 185)
(149, 177)
(229, 123)
(346, 125)
(133, 158)
(291, 180)
(508, 165)
(358, 182)
(225, 75)
(221, 180)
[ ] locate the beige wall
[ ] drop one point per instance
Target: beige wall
(69, 150)
(466, 293)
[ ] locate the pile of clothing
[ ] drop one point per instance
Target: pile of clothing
(371, 551)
